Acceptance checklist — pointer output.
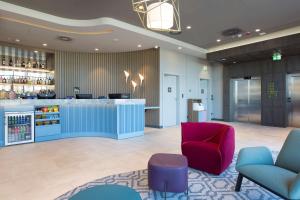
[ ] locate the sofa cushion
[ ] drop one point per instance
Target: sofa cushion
(272, 177)
(205, 156)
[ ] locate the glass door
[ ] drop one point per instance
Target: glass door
(19, 127)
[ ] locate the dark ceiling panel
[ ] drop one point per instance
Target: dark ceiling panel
(208, 18)
(288, 46)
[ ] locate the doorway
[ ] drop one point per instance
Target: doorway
(170, 100)
(293, 95)
(246, 100)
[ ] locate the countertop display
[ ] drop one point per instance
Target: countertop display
(112, 118)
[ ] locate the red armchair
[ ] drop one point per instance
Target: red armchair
(208, 147)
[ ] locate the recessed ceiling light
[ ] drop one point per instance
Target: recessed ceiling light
(116, 39)
(262, 33)
(141, 7)
(18, 40)
(257, 30)
(35, 51)
(31, 57)
(234, 62)
(139, 45)
(45, 44)
(96, 49)
(188, 27)
(156, 46)
(240, 35)
(219, 40)
(223, 59)
(179, 48)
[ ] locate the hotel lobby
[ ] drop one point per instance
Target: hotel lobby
(149, 100)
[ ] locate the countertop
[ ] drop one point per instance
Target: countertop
(37, 102)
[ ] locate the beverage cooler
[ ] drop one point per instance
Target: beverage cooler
(19, 127)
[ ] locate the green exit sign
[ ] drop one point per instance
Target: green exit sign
(276, 56)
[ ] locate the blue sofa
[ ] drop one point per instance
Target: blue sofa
(282, 177)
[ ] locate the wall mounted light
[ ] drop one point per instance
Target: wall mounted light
(141, 78)
(126, 75)
(133, 85)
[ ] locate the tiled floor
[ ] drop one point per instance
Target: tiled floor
(43, 171)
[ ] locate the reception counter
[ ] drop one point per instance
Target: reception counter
(118, 119)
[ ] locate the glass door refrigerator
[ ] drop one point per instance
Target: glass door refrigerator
(19, 127)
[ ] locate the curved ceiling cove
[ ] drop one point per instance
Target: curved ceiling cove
(87, 34)
(36, 25)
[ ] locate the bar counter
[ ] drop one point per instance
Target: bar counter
(118, 118)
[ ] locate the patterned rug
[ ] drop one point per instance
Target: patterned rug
(202, 186)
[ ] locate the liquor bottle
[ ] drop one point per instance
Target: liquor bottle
(18, 63)
(43, 65)
(10, 62)
(23, 63)
(52, 81)
(4, 80)
(34, 64)
(38, 64)
(29, 81)
(3, 61)
(9, 80)
(29, 65)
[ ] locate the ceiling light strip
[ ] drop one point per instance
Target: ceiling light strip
(105, 31)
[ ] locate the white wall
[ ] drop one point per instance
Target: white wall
(190, 70)
(217, 91)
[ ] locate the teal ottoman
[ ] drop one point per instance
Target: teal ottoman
(107, 192)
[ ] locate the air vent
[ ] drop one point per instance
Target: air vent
(64, 38)
(232, 32)
(175, 32)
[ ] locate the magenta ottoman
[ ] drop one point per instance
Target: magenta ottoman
(168, 173)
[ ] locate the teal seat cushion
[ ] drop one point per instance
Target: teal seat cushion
(270, 176)
(107, 192)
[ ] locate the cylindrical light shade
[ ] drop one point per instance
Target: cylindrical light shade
(160, 16)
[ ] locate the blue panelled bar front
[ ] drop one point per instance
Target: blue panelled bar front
(117, 118)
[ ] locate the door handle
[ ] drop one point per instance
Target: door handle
(289, 99)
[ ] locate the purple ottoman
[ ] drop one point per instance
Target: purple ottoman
(168, 173)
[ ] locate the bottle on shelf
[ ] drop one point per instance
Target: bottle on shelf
(3, 61)
(33, 63)
(43, 65)
(10, 63)
(29, 64)
(18, 63)
(10, 79)
(23, 64)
